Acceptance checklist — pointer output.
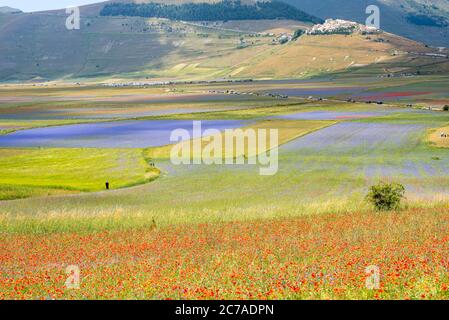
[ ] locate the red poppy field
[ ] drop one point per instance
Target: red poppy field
(311, 257)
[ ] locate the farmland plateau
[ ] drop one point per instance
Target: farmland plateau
(88, 180)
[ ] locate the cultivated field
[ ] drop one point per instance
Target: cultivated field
(223, 231)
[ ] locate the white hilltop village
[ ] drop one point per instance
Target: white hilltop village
(338, 26)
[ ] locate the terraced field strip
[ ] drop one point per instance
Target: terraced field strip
(10, 126)
(347, 137)
(288, 130)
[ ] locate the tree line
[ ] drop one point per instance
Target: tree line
(220, 11)
(426, 20)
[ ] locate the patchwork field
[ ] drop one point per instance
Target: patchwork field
(305, 233)
(183, 157)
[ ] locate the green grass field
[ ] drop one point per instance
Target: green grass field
(28, 172)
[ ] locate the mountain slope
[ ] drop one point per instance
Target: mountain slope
(39, 47)
(378, 55)
(396, 15)
(9, 10)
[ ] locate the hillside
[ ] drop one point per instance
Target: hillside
(327, 54)
(422, 20)
(38, 47)
(9, 10)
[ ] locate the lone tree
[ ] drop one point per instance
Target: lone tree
(386, 196)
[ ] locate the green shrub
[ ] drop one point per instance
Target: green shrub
(446, 108)
(386, 196)
(298, 33)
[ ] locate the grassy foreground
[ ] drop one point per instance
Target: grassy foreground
(310, 257)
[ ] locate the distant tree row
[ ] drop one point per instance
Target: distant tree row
(220, 11)
(427, 20)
